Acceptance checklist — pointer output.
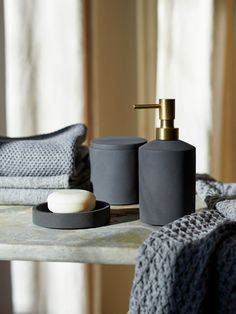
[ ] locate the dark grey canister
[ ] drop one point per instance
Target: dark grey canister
(167, 174)
(114, 169)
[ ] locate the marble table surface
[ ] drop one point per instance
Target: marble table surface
(116, 243)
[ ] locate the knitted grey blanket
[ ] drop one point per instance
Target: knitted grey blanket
(33, 167)
(189, 265)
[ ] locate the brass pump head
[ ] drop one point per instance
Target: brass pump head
(167, 131)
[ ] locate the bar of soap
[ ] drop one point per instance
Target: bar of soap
(71, 201)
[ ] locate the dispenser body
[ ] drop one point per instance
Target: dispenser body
(167, 171)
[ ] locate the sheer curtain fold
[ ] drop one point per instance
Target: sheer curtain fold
(196, 65)
(184, 68)
(45, 91)
(223, 72)
(44, 56)
(146, 34)
(228, 99)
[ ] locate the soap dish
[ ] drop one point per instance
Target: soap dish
(97, 217)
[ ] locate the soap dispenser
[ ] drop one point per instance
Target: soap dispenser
(167, 170)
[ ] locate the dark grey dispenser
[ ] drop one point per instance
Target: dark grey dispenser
(114, 169)
(166, 171)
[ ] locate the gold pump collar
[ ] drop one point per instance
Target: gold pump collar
(167, 131)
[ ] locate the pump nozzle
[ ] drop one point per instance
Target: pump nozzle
(167, 131)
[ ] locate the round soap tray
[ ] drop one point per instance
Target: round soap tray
(97, 217)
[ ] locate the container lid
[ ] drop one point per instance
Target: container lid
(118, 142)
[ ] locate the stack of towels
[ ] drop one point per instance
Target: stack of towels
(189, 265)
(33, 167)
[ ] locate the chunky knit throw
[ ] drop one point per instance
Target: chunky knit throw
(33, 167)
(189, 265)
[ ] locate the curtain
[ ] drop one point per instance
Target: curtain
(45, 91)
(223, 141)
(184, 69)
(146, 34)
(113, 90)
(196, 65)
(2, 67)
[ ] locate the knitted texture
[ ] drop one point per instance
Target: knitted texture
(30, 196)
(188, 266)
(218, 195)
(33, 167)
(55, 182)
(51, 154)
(24, 196)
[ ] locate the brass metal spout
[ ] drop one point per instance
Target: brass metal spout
(167, 131)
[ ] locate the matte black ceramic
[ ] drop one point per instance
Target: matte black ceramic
(166, 181)
(114, 169)
(100, 216)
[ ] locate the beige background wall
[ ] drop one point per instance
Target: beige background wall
(114, 90)
(123, 58)
(114, 67)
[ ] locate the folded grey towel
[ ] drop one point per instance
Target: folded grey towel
(24, 196)
(30, 196)
(45, 155)
(188, 266)
(80, 175)
(33, 167)
(218, 195)
(56, 182)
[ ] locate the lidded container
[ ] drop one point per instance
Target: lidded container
(167, 171)
(114, 169)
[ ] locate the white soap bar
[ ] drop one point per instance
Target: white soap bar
(71, 201)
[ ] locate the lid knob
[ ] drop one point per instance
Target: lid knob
(167, 131)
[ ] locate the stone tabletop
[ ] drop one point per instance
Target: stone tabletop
(116, 243)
